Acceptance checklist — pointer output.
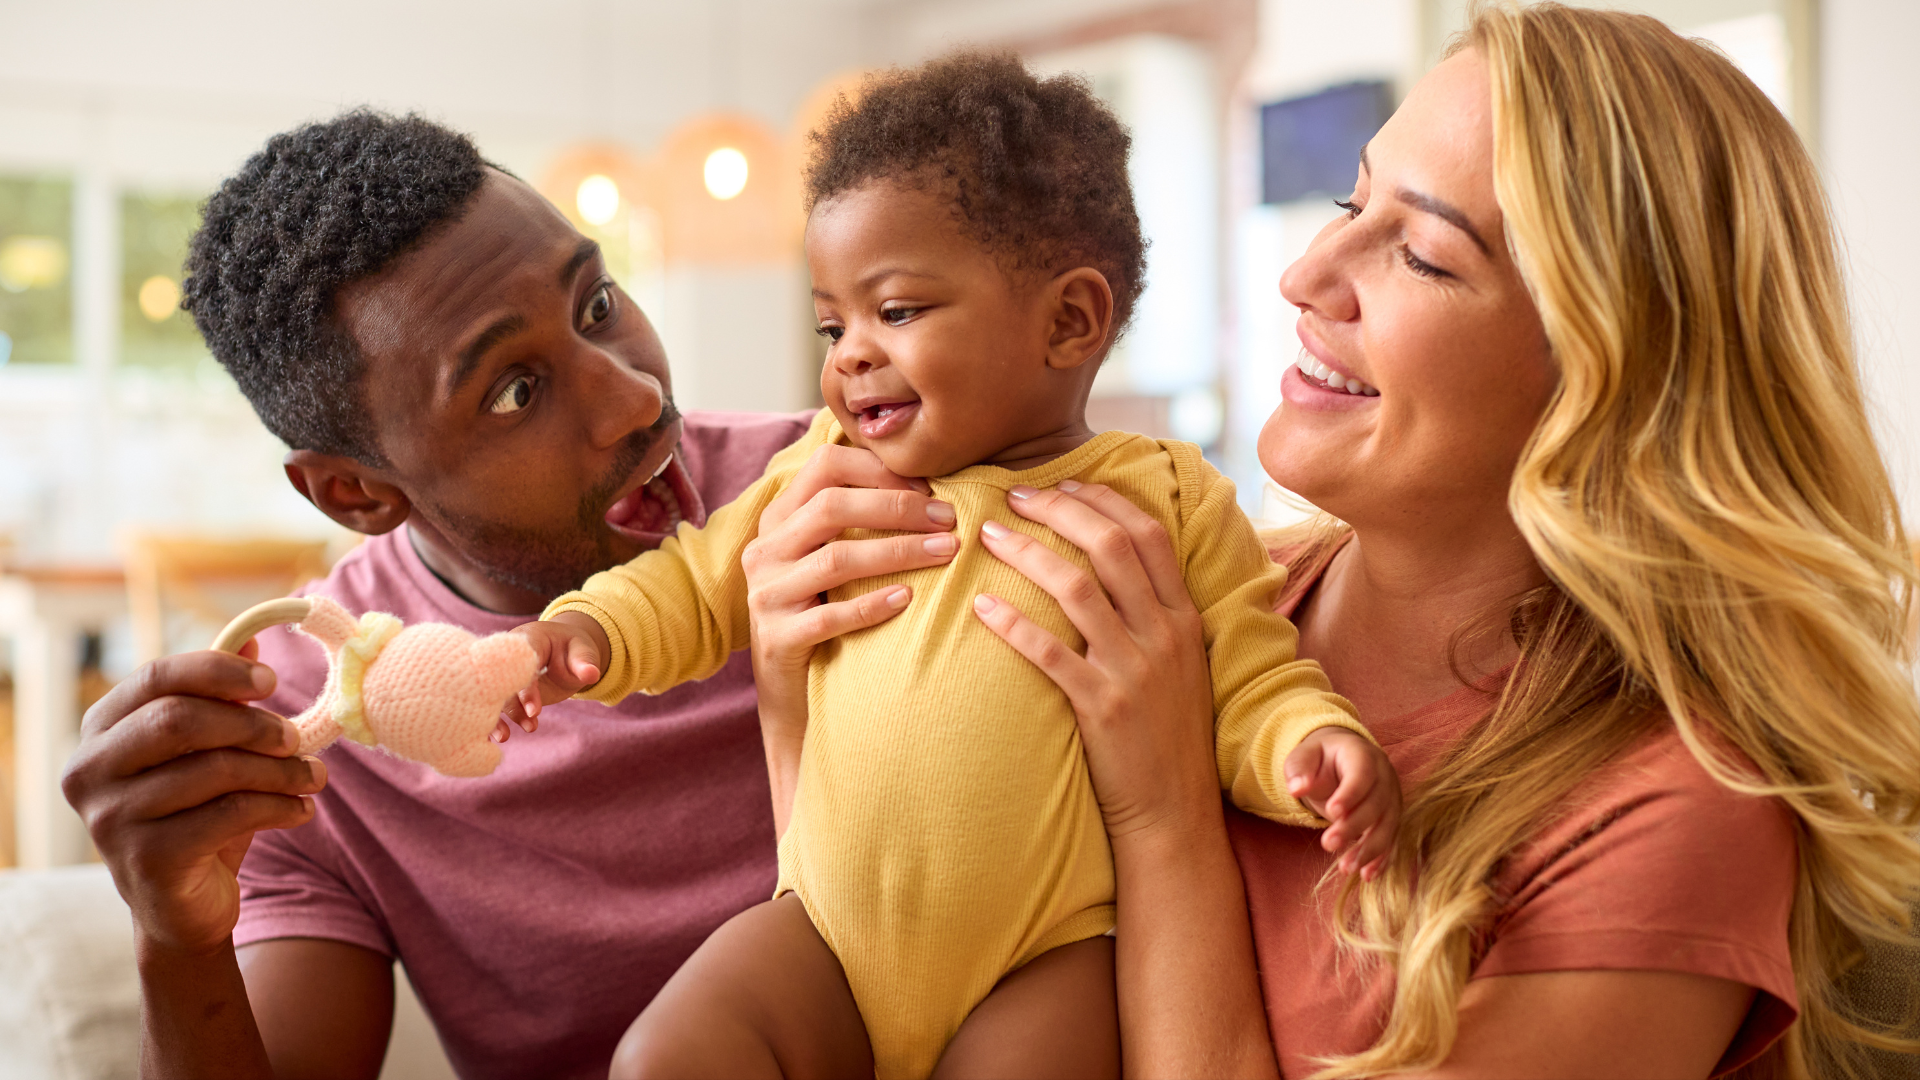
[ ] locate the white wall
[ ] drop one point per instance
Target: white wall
(1870, 96)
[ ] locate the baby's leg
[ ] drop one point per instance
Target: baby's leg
(1058, 1016)
(763, 997)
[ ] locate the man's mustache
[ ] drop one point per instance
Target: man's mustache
(633, 450)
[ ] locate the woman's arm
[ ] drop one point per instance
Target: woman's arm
(798, 556)
(1189, 995)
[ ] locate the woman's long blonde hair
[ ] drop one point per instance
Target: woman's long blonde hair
(1704, 493)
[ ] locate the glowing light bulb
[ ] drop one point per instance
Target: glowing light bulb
(726, 173)
(159, 297)
(598, 199)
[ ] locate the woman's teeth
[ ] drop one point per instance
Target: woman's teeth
(1331, 379)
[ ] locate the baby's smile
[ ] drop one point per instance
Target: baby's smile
(880, 417)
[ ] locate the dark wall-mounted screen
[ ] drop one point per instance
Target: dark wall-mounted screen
(1311, 145)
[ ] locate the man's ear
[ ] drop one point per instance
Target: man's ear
(1082, 317)
(347, 491)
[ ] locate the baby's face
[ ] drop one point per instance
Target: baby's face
(938, 356)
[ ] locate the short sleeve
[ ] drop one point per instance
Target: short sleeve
(1660, 868)
(285, 892)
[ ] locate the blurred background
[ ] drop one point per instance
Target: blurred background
(140, 499)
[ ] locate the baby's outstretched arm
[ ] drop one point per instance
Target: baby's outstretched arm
(1349, 781)
(572, 648)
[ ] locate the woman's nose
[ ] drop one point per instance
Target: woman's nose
(620, 399)
(1321, 281)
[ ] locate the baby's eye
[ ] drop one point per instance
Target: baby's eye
(514, 397)
(599, 308)
(831, 333)
(897, 315)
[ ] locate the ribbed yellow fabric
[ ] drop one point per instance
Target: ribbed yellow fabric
(945, 831)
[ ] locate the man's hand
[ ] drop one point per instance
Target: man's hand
(173, 776)
(572, 648)
(1349, 781)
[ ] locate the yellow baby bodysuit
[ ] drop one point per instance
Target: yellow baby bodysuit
(945, 831)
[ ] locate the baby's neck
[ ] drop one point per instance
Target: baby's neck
(1035, 452)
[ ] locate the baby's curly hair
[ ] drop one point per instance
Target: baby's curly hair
(1037, 168)
(320, 206)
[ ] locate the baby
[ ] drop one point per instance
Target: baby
(974, 253)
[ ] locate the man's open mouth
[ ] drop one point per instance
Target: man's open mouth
(654, 509)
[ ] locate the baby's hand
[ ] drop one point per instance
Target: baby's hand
(571, 648)
(1349, 781)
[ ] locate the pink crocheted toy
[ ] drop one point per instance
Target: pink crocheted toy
(429, 693)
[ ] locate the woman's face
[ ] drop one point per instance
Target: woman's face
(1430, 367)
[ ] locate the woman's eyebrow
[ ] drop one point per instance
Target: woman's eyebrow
(1445, 211)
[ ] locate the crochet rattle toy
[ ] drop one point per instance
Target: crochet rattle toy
(429, 693)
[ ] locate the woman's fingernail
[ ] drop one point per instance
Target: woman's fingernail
(984, 604)
(940, 513)
(941, 544)
(995, 530)
(897, 599)
(316, 769)
(920, 485)
(1068, 486)
(1021, 491)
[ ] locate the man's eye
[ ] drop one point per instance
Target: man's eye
(514, 398)
(599, 307)
(896, 316)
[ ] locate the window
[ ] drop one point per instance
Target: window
(154, 332)
(36, 270)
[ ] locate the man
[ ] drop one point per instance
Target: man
(459, 379)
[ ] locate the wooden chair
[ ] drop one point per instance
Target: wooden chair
(182, 589)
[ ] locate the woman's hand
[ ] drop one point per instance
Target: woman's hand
(1189, 997)
(1141, 693)
(799, 556)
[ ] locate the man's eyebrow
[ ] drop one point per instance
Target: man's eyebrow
(582, 255)
(1445, 211)
(476, 350)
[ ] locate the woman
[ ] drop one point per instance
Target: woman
(1620, 585)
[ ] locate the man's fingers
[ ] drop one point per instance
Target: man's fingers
(210, 775)
(207, 828)
(206, 674)
(173, 727)
(1068, 669)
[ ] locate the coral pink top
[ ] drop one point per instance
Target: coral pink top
(1659, 868)
(538, 909)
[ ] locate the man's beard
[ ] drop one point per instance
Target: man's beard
(550, 561)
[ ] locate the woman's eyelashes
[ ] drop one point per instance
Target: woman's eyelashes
(1420, 266)
(516, 395)
(1351, 206)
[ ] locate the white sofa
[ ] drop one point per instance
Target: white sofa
(70, 1000)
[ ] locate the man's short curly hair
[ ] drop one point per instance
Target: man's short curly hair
(1036, 168)
(320, 206)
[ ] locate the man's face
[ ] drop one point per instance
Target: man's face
(521, 399)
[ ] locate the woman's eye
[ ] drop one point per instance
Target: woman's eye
(1352, 208)
(896, 316)
(514, 397)
(599, 307)
(831, 333)
(1420, 266)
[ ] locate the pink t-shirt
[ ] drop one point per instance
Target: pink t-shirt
(538, 909)
(1655, 867)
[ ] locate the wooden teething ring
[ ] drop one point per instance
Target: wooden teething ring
(287, 609)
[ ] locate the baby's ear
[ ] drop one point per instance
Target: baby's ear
(504, 663)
